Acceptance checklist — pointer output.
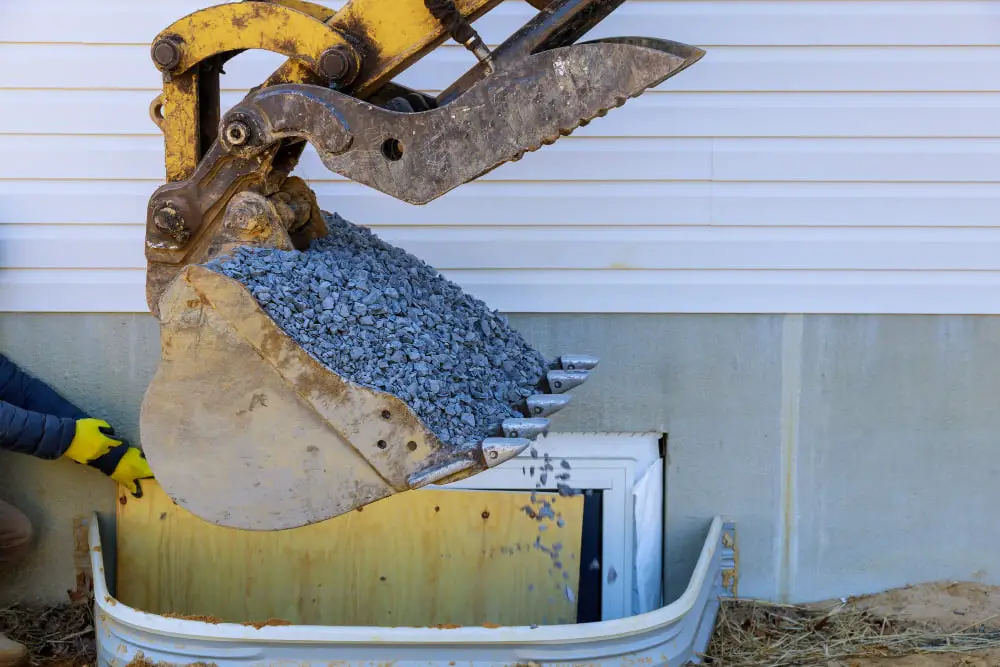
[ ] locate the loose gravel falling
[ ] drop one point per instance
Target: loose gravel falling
(542, 512)
(384, 319)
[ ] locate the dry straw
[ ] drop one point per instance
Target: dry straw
(59, 636)
(763, 634)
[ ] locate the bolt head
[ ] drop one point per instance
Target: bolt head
(169, 221)
(166, 54)
(237, 133)
(166, 216)
(335, 64)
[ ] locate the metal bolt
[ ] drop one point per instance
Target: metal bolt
(237, 133)
(335, 63)
(382, 444)
(166, 54)
(171, 223)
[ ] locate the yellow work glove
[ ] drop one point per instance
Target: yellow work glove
(126, 465)
(93, 439)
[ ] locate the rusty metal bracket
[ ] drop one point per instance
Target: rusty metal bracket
(245, 25)
(362, 128)
(420, 156)
(191, 52)
(358, 47)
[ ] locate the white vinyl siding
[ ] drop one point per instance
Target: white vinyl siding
(824, 156)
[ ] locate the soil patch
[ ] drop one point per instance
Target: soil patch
(929, 625)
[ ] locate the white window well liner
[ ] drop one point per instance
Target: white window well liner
(672, 635)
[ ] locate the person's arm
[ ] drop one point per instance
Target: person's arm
(37, 421)
(37, 434)
(49, 437)
(24, 391)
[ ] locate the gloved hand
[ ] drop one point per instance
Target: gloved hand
(126, 465)
(93, 440)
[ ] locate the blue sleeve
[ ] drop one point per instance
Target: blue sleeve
(34, 419)
(34, 433)
(22, 390)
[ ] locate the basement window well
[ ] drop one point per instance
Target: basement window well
(553, 557)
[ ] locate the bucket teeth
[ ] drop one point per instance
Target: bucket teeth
(499, 450)
(562, 381)
(577, 362)
(544, 405)
(528, 427)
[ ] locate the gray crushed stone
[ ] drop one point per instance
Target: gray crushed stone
(542, 511)
(384, 319)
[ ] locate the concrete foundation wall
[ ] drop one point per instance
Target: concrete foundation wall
(856, 453)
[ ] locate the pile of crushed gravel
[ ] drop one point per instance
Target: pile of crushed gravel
(384, 319)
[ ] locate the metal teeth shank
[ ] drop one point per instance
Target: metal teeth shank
(528, 427)
(562, 381)
(498, 450)
(578, 362)
(545, 405)
(425, 477)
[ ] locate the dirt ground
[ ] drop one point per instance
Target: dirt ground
(985, 659)
(945, 607)
(950, 607)
(928, 625)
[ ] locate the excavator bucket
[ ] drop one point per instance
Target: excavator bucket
(247, 430)
(272, 411)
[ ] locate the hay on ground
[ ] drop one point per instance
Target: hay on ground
(758, 633)
(56, 636)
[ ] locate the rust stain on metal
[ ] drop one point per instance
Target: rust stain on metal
(360, 37)
(140, 660)
(214, 620)
(287, 45)
(271, 622)
(730, 576)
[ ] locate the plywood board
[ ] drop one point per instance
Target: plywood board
(429, 557)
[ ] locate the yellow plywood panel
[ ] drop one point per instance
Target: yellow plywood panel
(428, 557)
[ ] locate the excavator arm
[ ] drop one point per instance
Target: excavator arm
(231, 381)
